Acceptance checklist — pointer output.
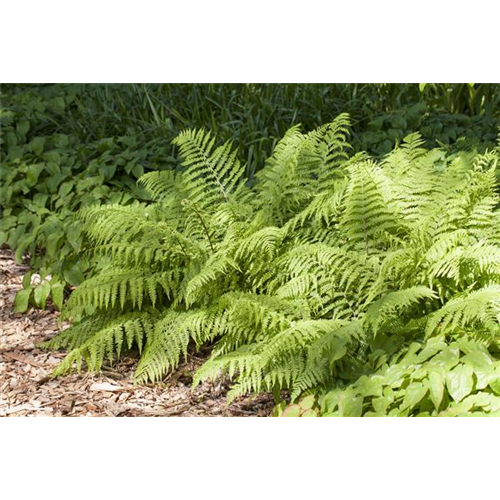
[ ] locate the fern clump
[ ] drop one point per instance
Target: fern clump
(296, 279)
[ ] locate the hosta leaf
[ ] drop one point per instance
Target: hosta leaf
(52, 243)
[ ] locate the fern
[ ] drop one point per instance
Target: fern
(479, 308)
(211, 174)
(296, 280)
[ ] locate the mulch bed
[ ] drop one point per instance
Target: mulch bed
(26, 388)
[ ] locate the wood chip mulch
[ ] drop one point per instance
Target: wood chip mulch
(26, 388)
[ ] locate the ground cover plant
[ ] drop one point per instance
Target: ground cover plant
(329, 266)
(47, 174)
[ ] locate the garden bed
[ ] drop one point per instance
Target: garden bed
(27, 389)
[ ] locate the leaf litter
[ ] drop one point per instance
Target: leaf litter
(27, 389)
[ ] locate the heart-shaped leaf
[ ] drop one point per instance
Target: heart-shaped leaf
(460, 382)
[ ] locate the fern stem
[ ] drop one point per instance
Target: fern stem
(205, 228)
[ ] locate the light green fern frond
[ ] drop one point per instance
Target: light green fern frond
(219, 266)
(211, 175)
(477, 309)
(165, 345)
(163, 185)
(103, 340)
(393, 304)
(326, 151)
(367, 210)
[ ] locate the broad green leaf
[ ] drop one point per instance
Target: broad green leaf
(483, 376)
(54, 181)
(40, 199)
(137, 171)
(74, 236)
(108, 171)
(57, 294)
(495, 403)
(413, 348)
(15, 153)
(41, 293)
(481, 399)
(337, 350)
(419, 374)
(330, 401)
(460, 382)
(37, 145)
(74, 276)
(453, 411)
(44, 272)
(21, 300)
(447, 358)
(395, 375)
(370, 386)
(414, 394)
(33, 173)
(53, 157)
(350, 405)
(310, 413)
(494, 382)
(65, 188)
(427, 353)
(27, 279)
(23, 126)
(57, 104)
(467, 346)
(292, 411)
(478, 360)
(62, 141)
(436, 387)
(52, 243)
(381, 404)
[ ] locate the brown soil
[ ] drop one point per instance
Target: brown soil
(26, 388)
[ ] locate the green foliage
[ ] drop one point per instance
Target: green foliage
(48, 174)
(435, 378)
(36, 290)
(297, 279)
(64, 147)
